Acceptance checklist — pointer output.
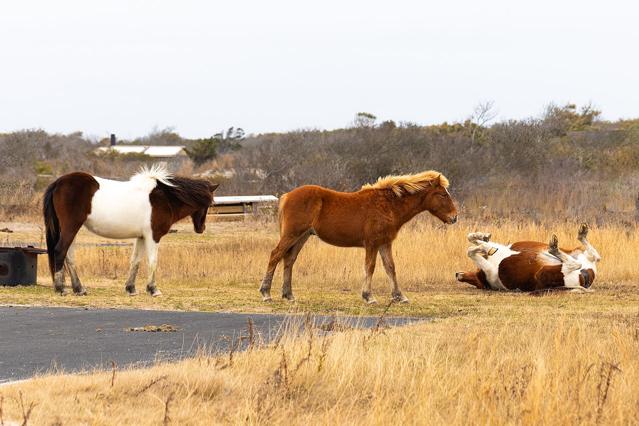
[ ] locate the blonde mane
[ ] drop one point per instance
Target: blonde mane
(409, 183)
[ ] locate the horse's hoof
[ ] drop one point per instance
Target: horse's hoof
(459, 276)
(583, 231)
(81, 292)
(156, 293)
(266, 295)
(371, 301)
(62, 292)
(553, 246)
(400, 298)
(288, 297)
(132, 293)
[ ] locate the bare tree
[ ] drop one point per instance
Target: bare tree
(483, 113)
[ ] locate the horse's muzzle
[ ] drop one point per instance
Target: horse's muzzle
(452, 220)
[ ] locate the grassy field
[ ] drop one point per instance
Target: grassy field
(485, 358)
(221, 271)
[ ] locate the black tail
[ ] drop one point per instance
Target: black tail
(51, 224)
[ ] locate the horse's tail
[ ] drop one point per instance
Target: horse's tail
(51, 224)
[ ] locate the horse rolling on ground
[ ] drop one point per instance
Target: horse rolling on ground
(369, 218)
(143, 208)
(531, 265)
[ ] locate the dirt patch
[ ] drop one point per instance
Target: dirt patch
(164, 328)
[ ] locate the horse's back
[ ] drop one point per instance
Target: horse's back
(332, 215)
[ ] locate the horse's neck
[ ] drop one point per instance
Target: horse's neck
(408, 206)
(180, 211)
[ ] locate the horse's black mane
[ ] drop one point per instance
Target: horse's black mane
(192, 192)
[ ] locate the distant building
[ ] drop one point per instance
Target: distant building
(159, 152)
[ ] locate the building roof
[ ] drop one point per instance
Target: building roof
(150, 150)
(164, 151)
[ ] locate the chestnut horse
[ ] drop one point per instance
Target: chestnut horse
(143, 208)
(531, 265)
(369, 218)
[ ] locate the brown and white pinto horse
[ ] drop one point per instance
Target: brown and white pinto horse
(531, 265)
(369, 218)
(143, 208)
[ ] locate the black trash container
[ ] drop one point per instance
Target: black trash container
(19, 265)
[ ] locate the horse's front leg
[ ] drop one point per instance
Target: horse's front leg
(152, 255)
(478, 255)
(136, 258)
(386, 251)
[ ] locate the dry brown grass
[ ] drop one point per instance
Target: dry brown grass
(477, 370)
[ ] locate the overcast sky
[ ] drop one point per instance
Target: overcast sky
(200, 66)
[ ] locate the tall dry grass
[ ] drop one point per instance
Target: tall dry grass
(552, 370)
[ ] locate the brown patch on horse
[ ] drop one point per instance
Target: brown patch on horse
(188, 197)
(518, 271)
(526, 271)
(66, 206)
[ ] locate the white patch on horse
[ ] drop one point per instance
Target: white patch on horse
(122, 209)
(490, 264)
(548, 259)
(571, 266)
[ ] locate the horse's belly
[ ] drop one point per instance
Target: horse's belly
(108, 229)
(340, 240)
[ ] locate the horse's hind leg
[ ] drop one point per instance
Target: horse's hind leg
(69, 263)
(386, 251)
(582, 235)
(61, 251)
(289, 260)
(570, 264)
(136, 258)
(369, 269)
(283, 246)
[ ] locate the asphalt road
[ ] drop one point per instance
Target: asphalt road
(37, 339)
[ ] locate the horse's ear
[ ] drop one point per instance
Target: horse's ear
(437, 181)
(213, 186)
